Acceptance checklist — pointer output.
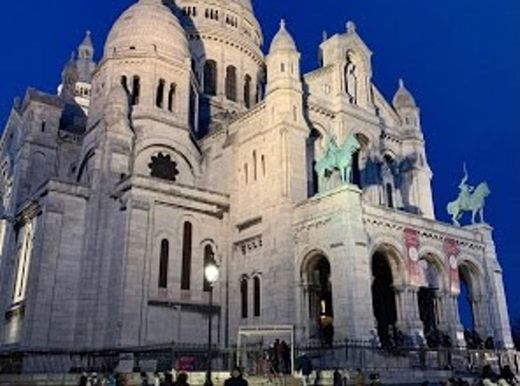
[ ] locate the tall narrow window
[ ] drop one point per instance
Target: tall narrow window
(124, 83)
(257, 296)
(247, 91)
(171, 97)
(246, 173)
(163, 264)
(255, 167)
(210, 77)
(389, 195)
(209, 256)
(231, 83)
(25, 245)
(244, 294)
(136, 90)
(159, 98)
(263, 165)
(186, 256)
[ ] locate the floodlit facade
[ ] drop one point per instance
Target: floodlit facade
(185, 144)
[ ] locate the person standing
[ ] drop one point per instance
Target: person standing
(360, 378)
(236, 378)
(182, 380)
(83, 379)
(305, 366)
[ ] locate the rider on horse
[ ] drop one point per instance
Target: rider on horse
(465, 190)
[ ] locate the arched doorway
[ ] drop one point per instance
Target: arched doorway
(319, 294)
(468, 304)
(428, 303)
(383, 298)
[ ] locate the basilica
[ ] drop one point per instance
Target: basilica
(188, 143)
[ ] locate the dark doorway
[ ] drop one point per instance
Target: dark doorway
(383, 299)
(320, 298)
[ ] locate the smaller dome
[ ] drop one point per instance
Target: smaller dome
(148, 26)
(403, 98)
(283, 40)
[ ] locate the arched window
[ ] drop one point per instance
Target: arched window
(244, 295)
(257, 296)
(186, 256)
(255, 167)
(247, 91)
(389, 195)
(159, 98)
(209, 256)
(210, 77)
(231, 83)
(282, 67)
(124, 83)
(171, 97)
(246, 173)
(351, 79)
(136, 90)
(263, 165)
(163, 264)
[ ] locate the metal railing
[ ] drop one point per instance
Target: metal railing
(193, 358)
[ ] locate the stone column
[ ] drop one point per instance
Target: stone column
(493, 291)
(451, 324)
(408, 318)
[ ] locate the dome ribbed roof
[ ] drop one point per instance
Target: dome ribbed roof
(148, 26)
(283, 41)
(403, 98)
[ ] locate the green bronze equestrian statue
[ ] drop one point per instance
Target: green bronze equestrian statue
(338, 158)
(470, 199)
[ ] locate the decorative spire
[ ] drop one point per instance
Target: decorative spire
(87, 41)
(351, 27)
(324, 35)
(403, 98)
(283, 40)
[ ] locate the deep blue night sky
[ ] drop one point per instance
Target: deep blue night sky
(460, 59)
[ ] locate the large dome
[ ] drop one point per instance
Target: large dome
(148, 27)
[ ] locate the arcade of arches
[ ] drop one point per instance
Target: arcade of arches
(427, 312)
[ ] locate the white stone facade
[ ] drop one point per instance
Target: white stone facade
(184, 142)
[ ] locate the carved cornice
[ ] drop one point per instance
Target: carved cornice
(424, 232)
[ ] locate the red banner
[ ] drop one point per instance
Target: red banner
(411, 237)
(452, 252)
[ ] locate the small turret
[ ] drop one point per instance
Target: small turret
(85, 62)
(406, 107)
(283, 62)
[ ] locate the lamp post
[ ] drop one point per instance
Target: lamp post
(211, 272)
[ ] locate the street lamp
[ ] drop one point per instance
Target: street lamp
(211, 272)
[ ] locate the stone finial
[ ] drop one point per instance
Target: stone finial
(282, 24)
(401, 83)
(351, 27)
(324, 35)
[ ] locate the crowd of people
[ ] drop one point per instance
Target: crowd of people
(154, 379)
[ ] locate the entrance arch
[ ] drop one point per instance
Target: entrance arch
(316, 274)
(383, 298)
(469, 304)
(428, 298)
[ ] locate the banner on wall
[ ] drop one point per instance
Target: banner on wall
(412, 241)
(452, 252)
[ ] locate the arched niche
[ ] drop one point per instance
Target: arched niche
(316, 275)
